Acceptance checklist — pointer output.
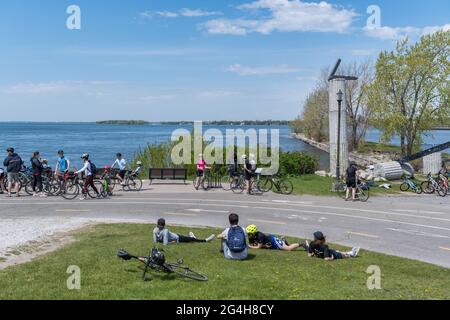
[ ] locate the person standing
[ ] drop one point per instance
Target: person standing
(247, 173)
(37, 168)
(62, 164)
(121, 163)
(351, 179)
(13, 164)
(2, 181)
(89, 174)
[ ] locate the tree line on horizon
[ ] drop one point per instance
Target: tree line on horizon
(405, 93)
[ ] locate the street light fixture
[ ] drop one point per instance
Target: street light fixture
(340, 96)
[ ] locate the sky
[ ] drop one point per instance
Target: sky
(160, 60)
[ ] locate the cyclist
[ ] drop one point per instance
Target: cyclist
(37, 168)
(259, 240)
(136, 172)
(122, 165)
(162, 235)
(62, 165)
(89, 173)
(319, 248)
(351, 180)
(13, 164)
(248, 173)
(201, 167)
(2, 181)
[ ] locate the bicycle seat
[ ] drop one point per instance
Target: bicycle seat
(123, 254)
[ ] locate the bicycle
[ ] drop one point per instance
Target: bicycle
(408, 183)
(362, 190)
(156, 261)
(275, 184)
(132, 182)
(431, 186)
(73, 186)
(203, 181)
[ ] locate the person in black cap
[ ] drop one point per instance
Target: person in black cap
(351, 179)
(319, 248)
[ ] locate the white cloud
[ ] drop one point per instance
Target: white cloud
(285, 16)
(167, 14)
(260, 71)
(396, 33)
(198, 13)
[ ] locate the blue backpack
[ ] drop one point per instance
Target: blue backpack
(93, 169)
(236, 241)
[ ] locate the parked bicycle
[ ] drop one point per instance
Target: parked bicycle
(156, 261)
(132, 182)
(408, 183)
(276, 184)
(431, 186)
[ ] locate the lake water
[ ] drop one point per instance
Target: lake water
(102, 142)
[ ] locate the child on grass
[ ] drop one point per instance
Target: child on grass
(162, 235)
(319, 248)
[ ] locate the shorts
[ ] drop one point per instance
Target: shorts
(351, 184)
(248, 176)
(200, 173)
(336, 255)
(13, 177)
(276, 244)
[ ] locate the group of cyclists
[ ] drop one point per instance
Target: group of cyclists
(10, 180)
(249, 170)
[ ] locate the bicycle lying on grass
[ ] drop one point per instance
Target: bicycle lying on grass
(156, 261)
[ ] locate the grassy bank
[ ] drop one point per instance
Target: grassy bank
(321, 186)
(266, 275)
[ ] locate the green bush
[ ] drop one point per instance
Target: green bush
(297, 163)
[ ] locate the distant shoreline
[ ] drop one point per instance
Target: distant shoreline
(213, 122)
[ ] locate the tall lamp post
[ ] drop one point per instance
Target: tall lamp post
(340, 95)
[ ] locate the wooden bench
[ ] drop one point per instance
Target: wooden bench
(167, 174)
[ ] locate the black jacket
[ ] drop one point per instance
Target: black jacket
(13, 163)
(37, 166)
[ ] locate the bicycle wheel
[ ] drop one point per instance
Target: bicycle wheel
(98, 184)
(427, 187)
(404, 187)
(28, 188)
(206, 183)
(442, 191)
(134, 184)
(418, 189)
(225, 182)
(238, 185)
(71, 190)
(286, 187)
(185, 272)
(363, 195)
(264, 184)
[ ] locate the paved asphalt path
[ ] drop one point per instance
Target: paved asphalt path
(416, 227)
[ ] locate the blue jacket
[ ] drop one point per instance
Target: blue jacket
(13, 163)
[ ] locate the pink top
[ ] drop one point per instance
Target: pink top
(201, 164)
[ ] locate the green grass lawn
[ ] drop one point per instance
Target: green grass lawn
(321, 186)
(266, 275)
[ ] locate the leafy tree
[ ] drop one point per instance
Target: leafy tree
(411, 91)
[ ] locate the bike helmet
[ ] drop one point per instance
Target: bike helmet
(251, 229)
(244, 156)
(139, 163)
(158, 257)
(85, 156)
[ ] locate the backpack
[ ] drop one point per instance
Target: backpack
(93, 169)
(236, 241)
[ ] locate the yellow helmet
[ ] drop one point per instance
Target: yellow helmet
(251, 229)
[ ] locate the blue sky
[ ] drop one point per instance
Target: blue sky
(187, 60)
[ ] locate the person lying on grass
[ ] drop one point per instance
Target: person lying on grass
(259, 240)
(162, 235)
(319, 248)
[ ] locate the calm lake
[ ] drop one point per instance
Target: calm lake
(102, 142)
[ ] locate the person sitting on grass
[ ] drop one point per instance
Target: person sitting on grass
(234, 240)
(259, 240)
(162, 235)
(319, 248)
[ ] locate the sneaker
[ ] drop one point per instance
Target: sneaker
(210, 238)
(305, 245)
(192, 235)
(354, 252)
(43, 195)
(83, 198)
